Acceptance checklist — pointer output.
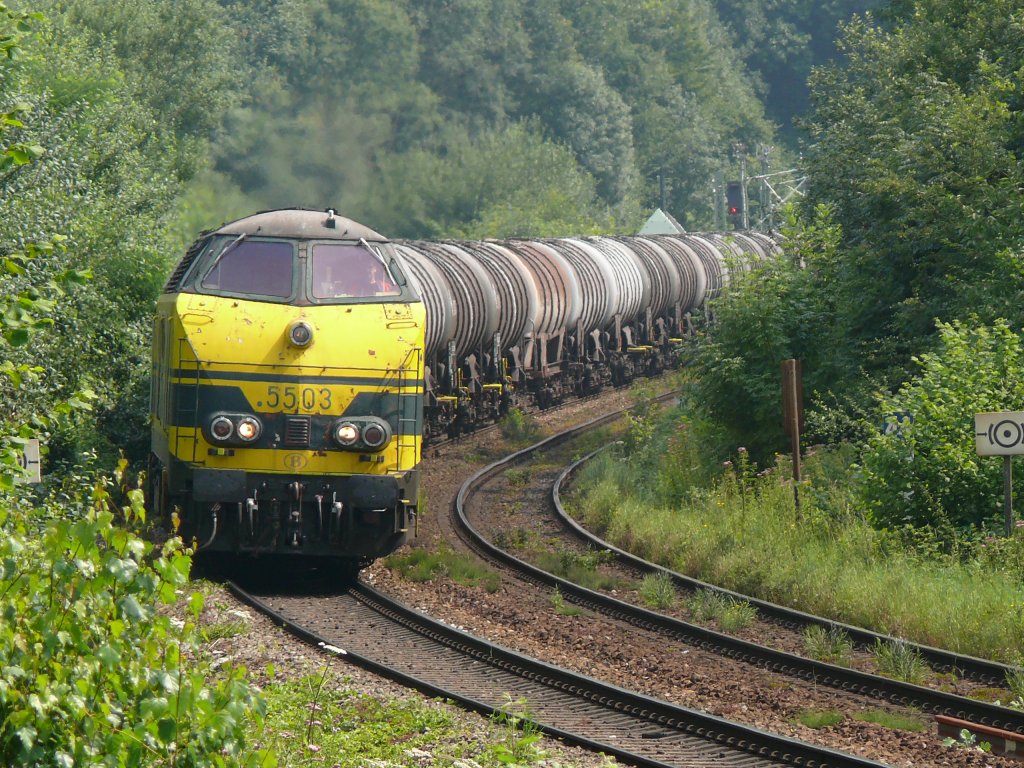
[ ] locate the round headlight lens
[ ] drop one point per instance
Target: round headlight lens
(248, 429)
(374, 435)
(346, 433)
(300, 333)
(221, 428)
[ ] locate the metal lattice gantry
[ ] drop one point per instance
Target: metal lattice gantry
(775, 190)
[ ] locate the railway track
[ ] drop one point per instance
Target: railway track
(968, 667)
(402, 644)
(946, 705)
(374, 631)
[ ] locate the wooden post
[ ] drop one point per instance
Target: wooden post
(792, 415)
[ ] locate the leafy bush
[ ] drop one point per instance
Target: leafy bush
(929, 474)
(776, 309)
(657, 590)
(93, 672)
(519, 427)
(832, 645)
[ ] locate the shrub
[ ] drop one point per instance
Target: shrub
(518, 427)
(94, 673)
(896, 659)
(657, 590)
(930, 474)
(831, 645)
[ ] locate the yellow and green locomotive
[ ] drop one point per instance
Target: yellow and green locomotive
(287, 392)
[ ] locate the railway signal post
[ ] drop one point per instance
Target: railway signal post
(1001, 433)
(793, 417)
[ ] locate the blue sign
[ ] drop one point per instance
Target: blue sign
(897, 423)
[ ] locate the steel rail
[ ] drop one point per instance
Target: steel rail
(634, 728)
(939, 659)
(818, 672)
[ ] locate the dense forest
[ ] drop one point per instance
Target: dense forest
(151, 120)
(901, 291)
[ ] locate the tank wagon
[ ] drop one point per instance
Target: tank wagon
(287, 392)
(542, 320)
(301, 360)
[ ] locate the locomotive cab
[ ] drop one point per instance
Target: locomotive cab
(288, 391)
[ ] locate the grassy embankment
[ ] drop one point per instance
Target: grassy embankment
(743, 532)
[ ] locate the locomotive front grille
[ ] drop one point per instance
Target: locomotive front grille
(297, 431)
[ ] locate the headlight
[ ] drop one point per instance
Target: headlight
(346, 433)
(300, 333)
(234, 428)
(374, 435)
(222, 428)
(248, 429)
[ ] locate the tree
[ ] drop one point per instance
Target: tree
(341, 87)
(104, 176)
(176, 57)
(916, 146)
(781, 41)
(770, 311)
(929, 474)
(503, 183)
(593, 120)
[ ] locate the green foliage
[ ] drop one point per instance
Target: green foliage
(518, 478)
(967, 740)
(175, 59)
(922, 124)
(730, 613)
(742, 533)
(433, 91)
(313, 718)
(579, 567)
(1015, 683)
(94, 672)
(521, 734)
(502, 182)
(420, 565)
(657, 590)
(782, 40)
(912, 722)
(898, 660)
(102, 182)
(781, 308)
(562, 608)
(519, 427)
(930, 474)
(817, 718)
(831, 645)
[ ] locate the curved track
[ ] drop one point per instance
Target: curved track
(377, 633)
(970, 667)
(820, 673)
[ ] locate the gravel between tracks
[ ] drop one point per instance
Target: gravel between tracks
(520, 616)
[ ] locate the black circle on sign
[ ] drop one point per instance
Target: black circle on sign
(1007, 434)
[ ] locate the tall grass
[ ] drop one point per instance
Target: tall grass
(743, 532)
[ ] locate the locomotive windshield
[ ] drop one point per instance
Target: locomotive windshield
(342, 270)
(252, 267)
